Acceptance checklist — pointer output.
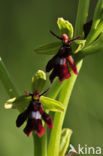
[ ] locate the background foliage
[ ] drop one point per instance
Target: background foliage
(24, 25)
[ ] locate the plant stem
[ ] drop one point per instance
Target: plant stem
(7, 82)
(59, 117)
(40, 145)
(53, 149)
(55, 89)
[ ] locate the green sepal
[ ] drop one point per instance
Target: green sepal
(20, 103)
(78, 45)
(64, 141)
(38, 81)
(48, 49)
(65, 27)
(51, 104)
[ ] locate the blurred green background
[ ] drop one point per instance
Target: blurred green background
(23, 26)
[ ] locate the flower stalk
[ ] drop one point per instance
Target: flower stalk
(40, 145)
(53, 149)
(59, 117)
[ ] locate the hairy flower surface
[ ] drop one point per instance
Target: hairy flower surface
(61, 63)
(34, 114)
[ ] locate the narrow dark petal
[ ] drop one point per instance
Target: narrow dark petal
(72, 64)
(48, 120)
(21, 118)
(87, 28)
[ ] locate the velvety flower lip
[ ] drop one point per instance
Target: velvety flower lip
(61, 63)
(34, 115)
(60, 70)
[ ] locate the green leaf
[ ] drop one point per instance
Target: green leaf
(98, 14)
(65, 27)
(94, 33)
(64, 141)
(51, 104)
(48, 49)
(97, 26)
(38, 80)
(6, 81)
(20, 103)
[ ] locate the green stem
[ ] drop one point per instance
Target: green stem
(7, 82)
(54, 143)
(40, 145)
(55, 89)
(59, 117)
